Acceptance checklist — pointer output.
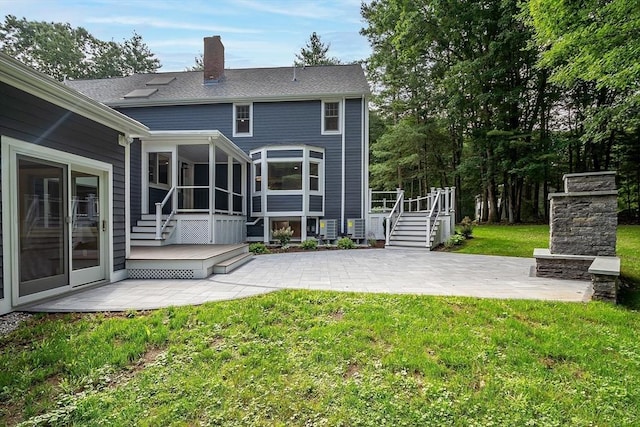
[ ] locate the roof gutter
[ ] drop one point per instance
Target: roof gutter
(18, 75)
(122, 103)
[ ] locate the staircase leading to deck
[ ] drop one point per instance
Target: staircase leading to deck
(144, 232)
(411, 231)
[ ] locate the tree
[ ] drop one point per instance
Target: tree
(62, 52)
(199, 64)
(591, 49)
(315, 53)
(590, 40)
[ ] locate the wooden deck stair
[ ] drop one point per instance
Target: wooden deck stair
(411, 231)
(144, 232)
(185, 261)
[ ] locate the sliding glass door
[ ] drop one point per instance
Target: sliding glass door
(60, 226)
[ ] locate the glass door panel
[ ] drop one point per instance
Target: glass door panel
(85, 219)
(86, 228)
(42, 226)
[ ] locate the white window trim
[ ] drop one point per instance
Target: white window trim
(243, 134)
(305, 192)
(340, 113)
(320, 163)
(160, 185)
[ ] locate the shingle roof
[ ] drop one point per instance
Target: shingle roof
(237, 84)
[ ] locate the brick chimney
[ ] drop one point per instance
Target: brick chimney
(213, 59)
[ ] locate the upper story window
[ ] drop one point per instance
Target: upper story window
(330, 117)
(160, 169)
(242, 119)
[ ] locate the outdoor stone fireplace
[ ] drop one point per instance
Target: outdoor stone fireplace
(582, 244)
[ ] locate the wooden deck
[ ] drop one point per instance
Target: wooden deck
(180, 252)
(185, 261)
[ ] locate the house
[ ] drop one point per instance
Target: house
(233, 154)
(66, 190)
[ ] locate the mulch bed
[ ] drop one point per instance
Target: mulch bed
(292, 248)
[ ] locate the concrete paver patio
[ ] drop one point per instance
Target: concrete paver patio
(401, 271)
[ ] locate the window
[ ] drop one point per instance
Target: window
(257, 174)
(242, 119)
(295, 224)
(160, 169)
(331, 117)
(314, 176)
(285, 176)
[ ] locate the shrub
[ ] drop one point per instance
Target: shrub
(346, 243)
(371, 240)
(466, 227)
(310, 244)
(283, 235)
(258, 248)
(455, 240)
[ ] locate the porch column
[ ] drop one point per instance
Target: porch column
(303, 228)
(230, 184)
(266, 231)
(243, 189)
(212, 188)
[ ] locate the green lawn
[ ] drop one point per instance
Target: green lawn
(306, 358)
(520, 240)
(322, 358)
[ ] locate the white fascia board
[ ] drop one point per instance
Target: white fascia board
(181, 137)
(21, 77)
(286, 147)
(200, 101)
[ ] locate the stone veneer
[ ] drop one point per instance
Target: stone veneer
(584, 218)
(583, 223)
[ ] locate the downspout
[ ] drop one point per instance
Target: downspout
(344, 165)
(365, 159)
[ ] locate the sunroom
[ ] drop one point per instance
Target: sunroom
(194, 187)
(287, 191)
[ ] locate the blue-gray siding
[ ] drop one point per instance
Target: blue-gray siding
(274, 154)
(28, 118)
(280, 123)
(255, 230)
(353, 159)
(315, 203)
(256, 204)
(284, 203)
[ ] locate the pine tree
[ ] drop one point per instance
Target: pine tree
(315, 53)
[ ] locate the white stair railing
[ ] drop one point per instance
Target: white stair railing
(160, 226)
(391, 219)
(434, 214)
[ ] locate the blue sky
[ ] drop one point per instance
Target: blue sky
(255, 33)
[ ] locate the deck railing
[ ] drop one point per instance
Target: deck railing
(160, 226)
(435, 204)
(392, 218)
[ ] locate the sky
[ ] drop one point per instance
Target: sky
(255, 33)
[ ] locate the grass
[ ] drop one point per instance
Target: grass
(520, 240)
(306, 358)
(324, 358)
